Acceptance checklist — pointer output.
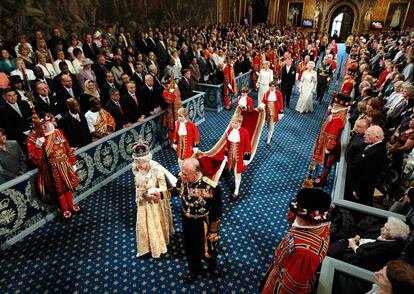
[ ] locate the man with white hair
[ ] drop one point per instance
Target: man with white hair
(395, 96)
(149, 98)
(362, 173)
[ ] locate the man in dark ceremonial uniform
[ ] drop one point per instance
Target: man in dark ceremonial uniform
(201, 213)
(324, 77)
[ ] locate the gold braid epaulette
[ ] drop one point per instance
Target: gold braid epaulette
(209, 181)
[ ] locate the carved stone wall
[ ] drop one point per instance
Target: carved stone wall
(18, 16)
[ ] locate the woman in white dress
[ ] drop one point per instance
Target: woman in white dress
(307, 88)
(265, 77)
(154, 217)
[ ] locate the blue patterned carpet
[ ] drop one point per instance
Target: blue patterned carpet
(95, 252)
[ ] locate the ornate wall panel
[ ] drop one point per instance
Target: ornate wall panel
(77, 15)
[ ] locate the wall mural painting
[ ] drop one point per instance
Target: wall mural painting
(18, 16)
(294, 14)
(396, 15)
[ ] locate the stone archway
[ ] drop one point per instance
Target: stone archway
(347, 21)
(353, 10)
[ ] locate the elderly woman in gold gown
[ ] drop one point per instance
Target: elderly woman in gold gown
(154, 218)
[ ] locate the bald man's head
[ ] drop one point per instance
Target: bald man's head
(373, 134)
(73, 105)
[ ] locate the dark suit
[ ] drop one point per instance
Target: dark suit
(362, 173)
(185, 89)
(131, 109)
(151, 45)
(90, 51)
(118, 115)
(287, 82)
(58, 80)
(76, 132)
(202, 65)
(356, 145)
(50, 83)
(148, 99)
(100, 74)
(14, 124)
(62, 95)
(162, 55)
(139, 82)
(106, 87)
(42, 107)
(142, 46)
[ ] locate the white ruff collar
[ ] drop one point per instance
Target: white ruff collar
(182, 130)
(234, 136)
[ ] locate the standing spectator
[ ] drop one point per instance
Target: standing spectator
(43, 50)
(73, 124)
(61, 58)
(86, 73)
(57, 43)
(356, 142)
(90, 92)
(149, 99)
(77, 60)
(361, 176)
(302, 250)
(162, 53)
(195, 73)
(46, 67)
(138, 75)
(100, 68)
(25, 74)
(14, 117)
(185, 86)
(44, 102)
(132, 108)
(114, 107)
(67, 90)
(202, 64)
(90, 49)
(107, 86)
(12, 159)
(7, 64)
(117, 70)
(100, 122)
(64, 70)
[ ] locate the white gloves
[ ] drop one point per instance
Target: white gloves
(261, 106)
(225, 157)
(245, 162)
(40, 141)
(195, 149)
(75, 168)
(171, 90)
(327, 151)
(174, 147)
(230, 87)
